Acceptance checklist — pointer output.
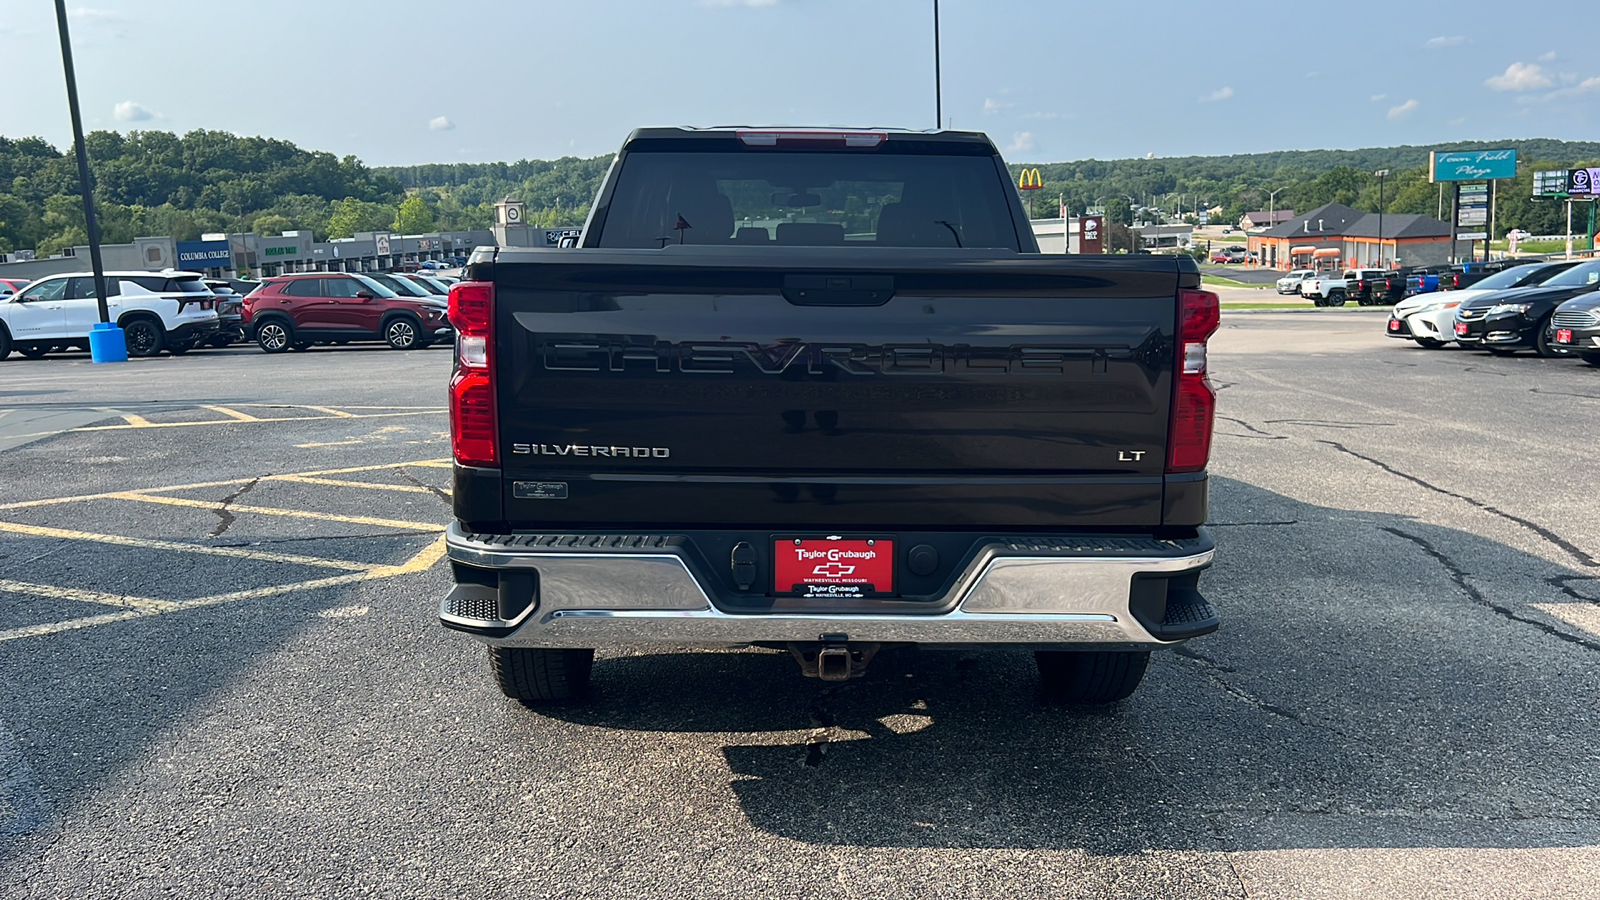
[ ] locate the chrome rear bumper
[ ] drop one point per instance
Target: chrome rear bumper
(649, 594)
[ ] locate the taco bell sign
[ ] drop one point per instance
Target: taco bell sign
(204, 255)
(1471, 165)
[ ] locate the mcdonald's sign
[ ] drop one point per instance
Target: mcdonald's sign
(1030, 180)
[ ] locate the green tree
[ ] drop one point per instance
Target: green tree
(271, 224)
(351, 215)
(414, 217)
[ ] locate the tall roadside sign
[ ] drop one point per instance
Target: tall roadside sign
(1473, 204)
(1571, 185)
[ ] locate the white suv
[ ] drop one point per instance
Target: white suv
(172, 311)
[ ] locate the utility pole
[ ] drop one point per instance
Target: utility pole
(106, 343)
(1381, 173)
(1272, 207)
(938, 87)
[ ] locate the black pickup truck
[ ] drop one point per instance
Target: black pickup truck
(819, 391)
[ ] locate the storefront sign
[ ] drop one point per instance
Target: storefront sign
(1471, 165)
(286, 250)
(1583, 181)
(204, 255)
(1091, 234)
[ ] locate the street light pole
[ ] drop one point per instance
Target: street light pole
(105, 342)
(938, 87)
(1381, 173)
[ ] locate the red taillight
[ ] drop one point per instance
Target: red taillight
(1455, 280)
(474, 418)
(1194, 402)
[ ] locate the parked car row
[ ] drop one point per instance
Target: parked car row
(177, 312)
(1551, 308)
(1368, 287)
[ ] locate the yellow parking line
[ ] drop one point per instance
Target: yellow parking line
(290, 513)
(376, 467)
(134, 421)
(148, 424)
(336, 413)
(61, 593)
(302, 406)
(368, 485)
(421, 561)
(199, 485)
(179, 546)
(70, 624)
(232, 413)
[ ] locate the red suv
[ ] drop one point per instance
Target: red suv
(295, 311)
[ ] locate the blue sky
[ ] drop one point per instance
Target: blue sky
(406, 81)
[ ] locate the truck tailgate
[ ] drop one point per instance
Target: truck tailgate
(838, 389)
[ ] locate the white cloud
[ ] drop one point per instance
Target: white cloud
(991, 106)
(1042, 115)
(1221, 93)
(1378, 97)
(1547, 56)
(1586, 86)
(1403, 110)
(1022, 142)
(129, 111)
(440, 124)
(1439, 43)
(1520, 76)
(90, 14)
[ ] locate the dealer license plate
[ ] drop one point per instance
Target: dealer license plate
(1461, 329)
(1563, 335)
(1394, 324)
(833, 566)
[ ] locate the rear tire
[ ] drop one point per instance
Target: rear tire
(1089, 677)
(145, 337)
(534, 675)
(1336, 298)
(274, 335)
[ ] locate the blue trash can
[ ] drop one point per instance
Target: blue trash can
(107, 343)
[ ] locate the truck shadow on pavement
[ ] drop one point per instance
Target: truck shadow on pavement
(1378, 682)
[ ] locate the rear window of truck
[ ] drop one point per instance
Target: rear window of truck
(778, 198)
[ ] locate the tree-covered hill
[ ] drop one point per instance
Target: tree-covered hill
(1304, 179)
(158, 183)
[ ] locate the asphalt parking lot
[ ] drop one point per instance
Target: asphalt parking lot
(223, 674)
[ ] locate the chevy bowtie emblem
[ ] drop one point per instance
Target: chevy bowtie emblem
(833, 570)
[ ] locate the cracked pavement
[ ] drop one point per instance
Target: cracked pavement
(1401, 701)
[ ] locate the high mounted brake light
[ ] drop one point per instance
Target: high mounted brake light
(474, 418)
(1194, 402)
(779, 137)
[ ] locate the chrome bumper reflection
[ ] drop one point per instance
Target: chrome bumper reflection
(604, 598)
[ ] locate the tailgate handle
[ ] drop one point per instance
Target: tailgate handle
(838, 290)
